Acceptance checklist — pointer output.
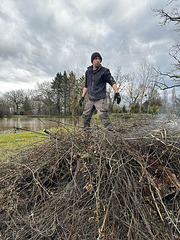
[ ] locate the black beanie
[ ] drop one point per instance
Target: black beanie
(94, 55)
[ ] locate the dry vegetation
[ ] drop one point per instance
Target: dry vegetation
(96, 185)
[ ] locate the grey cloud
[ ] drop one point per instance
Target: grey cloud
(41, 38)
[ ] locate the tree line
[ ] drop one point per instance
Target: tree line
(60, 96)
(54, 97)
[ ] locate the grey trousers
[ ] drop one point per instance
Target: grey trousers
(101, 107)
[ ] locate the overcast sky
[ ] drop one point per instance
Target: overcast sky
(42, 37)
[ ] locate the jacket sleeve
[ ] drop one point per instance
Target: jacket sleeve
(86, 80)
(108, 77)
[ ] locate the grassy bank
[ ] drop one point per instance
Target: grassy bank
(13, 143)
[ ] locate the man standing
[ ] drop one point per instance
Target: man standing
(96, 77)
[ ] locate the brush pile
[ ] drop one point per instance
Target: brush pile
(96, 185)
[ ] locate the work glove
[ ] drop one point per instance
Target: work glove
(117, 97)
(80, 101)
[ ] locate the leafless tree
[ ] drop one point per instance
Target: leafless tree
(121, 80)
(145, 76)
(171, 15)
(133, 90)
(44, 94)
(15, 99)
(148, 79)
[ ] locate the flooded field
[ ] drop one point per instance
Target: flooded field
(10, 125)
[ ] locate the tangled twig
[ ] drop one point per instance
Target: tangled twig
(95, 185)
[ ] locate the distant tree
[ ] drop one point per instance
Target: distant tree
(26, 108)
(66, 93)
(152, 93)
(153, 103)
(134, 108)
(1, 109)
(133, 92)
(57, 87)
(4, 108)
(121, 80)
(74, 97)
(67, 90)
(147, 83)
(45, 97)
(15, 99)
(124, 110)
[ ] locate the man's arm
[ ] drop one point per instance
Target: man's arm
(115, 88)
(84, 92)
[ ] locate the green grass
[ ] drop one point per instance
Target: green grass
(12, 143)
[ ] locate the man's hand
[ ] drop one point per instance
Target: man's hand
(117, 97)
(80, 101)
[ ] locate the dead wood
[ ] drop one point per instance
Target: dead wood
(95, 185)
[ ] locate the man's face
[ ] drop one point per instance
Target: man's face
(96, 62)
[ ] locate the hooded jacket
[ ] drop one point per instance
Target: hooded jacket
(95, 82)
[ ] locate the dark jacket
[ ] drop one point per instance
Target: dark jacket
(95, 82)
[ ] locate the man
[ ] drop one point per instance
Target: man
(96, 77)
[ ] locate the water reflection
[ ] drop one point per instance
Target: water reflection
(9, 125)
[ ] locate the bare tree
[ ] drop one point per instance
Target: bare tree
(148, 83)
(171, 16)
(145, 76)
(44, 95)
(133, 91)
(152, 94)
(15, 99)
(121, 80)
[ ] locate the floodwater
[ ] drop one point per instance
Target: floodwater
(10, 125)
